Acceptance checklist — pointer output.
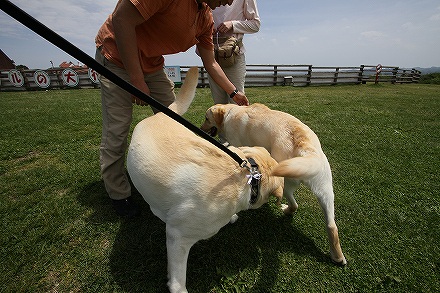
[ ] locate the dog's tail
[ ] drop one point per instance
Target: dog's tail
(299, 168)
(187, 92)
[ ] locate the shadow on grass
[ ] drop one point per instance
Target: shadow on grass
(138, 261)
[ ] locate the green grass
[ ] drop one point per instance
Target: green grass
(59, 233)
(431, 78)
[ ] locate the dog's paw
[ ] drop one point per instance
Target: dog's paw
(340, 262)
(289, 210)
(233, 219)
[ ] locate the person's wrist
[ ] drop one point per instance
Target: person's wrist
(233, 94)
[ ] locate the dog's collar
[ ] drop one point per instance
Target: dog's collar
(254, 181)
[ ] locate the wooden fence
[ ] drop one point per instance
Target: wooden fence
(305, 75)
(256, 75)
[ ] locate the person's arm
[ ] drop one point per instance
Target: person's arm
(250, 25)
(125, 19)
(217, 74)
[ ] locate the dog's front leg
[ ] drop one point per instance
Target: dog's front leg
(177, 253)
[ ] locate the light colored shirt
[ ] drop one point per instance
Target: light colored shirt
(244, 16)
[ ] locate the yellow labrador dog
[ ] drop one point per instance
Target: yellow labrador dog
(293, 144)
(190, 184)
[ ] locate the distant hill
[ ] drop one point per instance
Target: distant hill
(428, 70)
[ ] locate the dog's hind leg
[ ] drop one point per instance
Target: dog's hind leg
(177, 253)
(290, 186)
(325, 195)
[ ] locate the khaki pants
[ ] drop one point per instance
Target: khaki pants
(236, 74)
(117, 111)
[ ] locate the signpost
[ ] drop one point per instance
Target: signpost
(42, 79)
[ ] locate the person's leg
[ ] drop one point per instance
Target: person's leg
(117, 109)
(219, 96)
(161, 88)
(236, 74)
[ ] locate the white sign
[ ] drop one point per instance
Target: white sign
(42, 79)
(173, 73)
(15, 77)
(70, 77)
(93, 75)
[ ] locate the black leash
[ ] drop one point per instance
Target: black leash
(48, 34)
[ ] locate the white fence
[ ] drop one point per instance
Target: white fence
(256, 75)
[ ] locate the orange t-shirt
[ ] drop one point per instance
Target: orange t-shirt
(171, 26)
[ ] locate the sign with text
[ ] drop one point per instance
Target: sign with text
(93, 75)
(42, 79)
(173, 73)
(70, 77)
(16, 78)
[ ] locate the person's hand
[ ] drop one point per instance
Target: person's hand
(137, 101)
(241, 99)
(224, 27)
(141, 85)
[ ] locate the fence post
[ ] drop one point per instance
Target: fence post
(275, 75)
(335, 78)
(26, 83)
(394, 78)
(60, 79)
(415, 75)
(361, 74)
(202, 76)
(309, 75)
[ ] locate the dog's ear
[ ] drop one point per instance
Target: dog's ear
(218, 114)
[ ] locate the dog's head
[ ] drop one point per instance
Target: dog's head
(270, 185)
(214, 118)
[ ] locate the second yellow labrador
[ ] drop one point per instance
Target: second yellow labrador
(293, 144)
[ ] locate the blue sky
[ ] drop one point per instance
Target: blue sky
(401, 33)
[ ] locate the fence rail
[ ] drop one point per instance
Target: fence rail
(256, 75)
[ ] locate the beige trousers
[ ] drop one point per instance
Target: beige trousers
(117, 111)
(236, 74)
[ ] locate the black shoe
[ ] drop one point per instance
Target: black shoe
(126, 207)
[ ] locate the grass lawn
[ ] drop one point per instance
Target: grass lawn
(59, 232)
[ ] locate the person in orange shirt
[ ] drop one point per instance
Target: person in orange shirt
(131, 43)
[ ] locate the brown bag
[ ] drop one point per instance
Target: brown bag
(226, 50)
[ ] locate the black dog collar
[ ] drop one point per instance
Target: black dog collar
(255, 179)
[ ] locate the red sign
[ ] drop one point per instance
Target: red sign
(70, 77)
(42, 79)
(378, 71)
(93, 75)
(379, 68)
(16, 78)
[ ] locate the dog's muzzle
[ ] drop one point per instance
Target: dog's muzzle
(212, 131)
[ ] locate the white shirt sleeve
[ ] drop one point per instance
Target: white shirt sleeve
(251, 22)
(243, 14)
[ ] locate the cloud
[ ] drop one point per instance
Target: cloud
(435, 17)
(373, 35)
(74, 20)
(409, 26)
(317, 32)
